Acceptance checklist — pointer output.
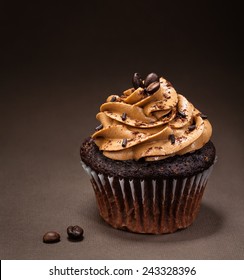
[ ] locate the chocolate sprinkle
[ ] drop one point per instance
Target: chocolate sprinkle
(124, 116)
(204, 117)
(172, 138)
(99, 127)
(124, 142)
(192, 127)
(181, 114)
(113, 99)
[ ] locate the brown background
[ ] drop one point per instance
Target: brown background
(58, 64)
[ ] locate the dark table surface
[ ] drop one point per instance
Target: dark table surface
(57, 69)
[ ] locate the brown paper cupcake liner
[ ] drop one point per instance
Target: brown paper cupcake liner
(152, 206)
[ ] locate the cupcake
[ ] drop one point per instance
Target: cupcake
(150, 158)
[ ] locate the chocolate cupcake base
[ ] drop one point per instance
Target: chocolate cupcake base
(154, 206)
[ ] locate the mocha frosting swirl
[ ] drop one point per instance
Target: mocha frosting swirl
(137, 125)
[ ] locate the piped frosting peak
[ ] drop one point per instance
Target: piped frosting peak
(151, 121)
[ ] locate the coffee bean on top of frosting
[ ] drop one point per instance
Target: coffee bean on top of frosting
(137, 81)
(152, 88)
(151, 78)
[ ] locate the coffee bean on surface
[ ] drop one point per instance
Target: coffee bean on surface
(137, 81)
(75, 232)
(51, 237)
(151, 78)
